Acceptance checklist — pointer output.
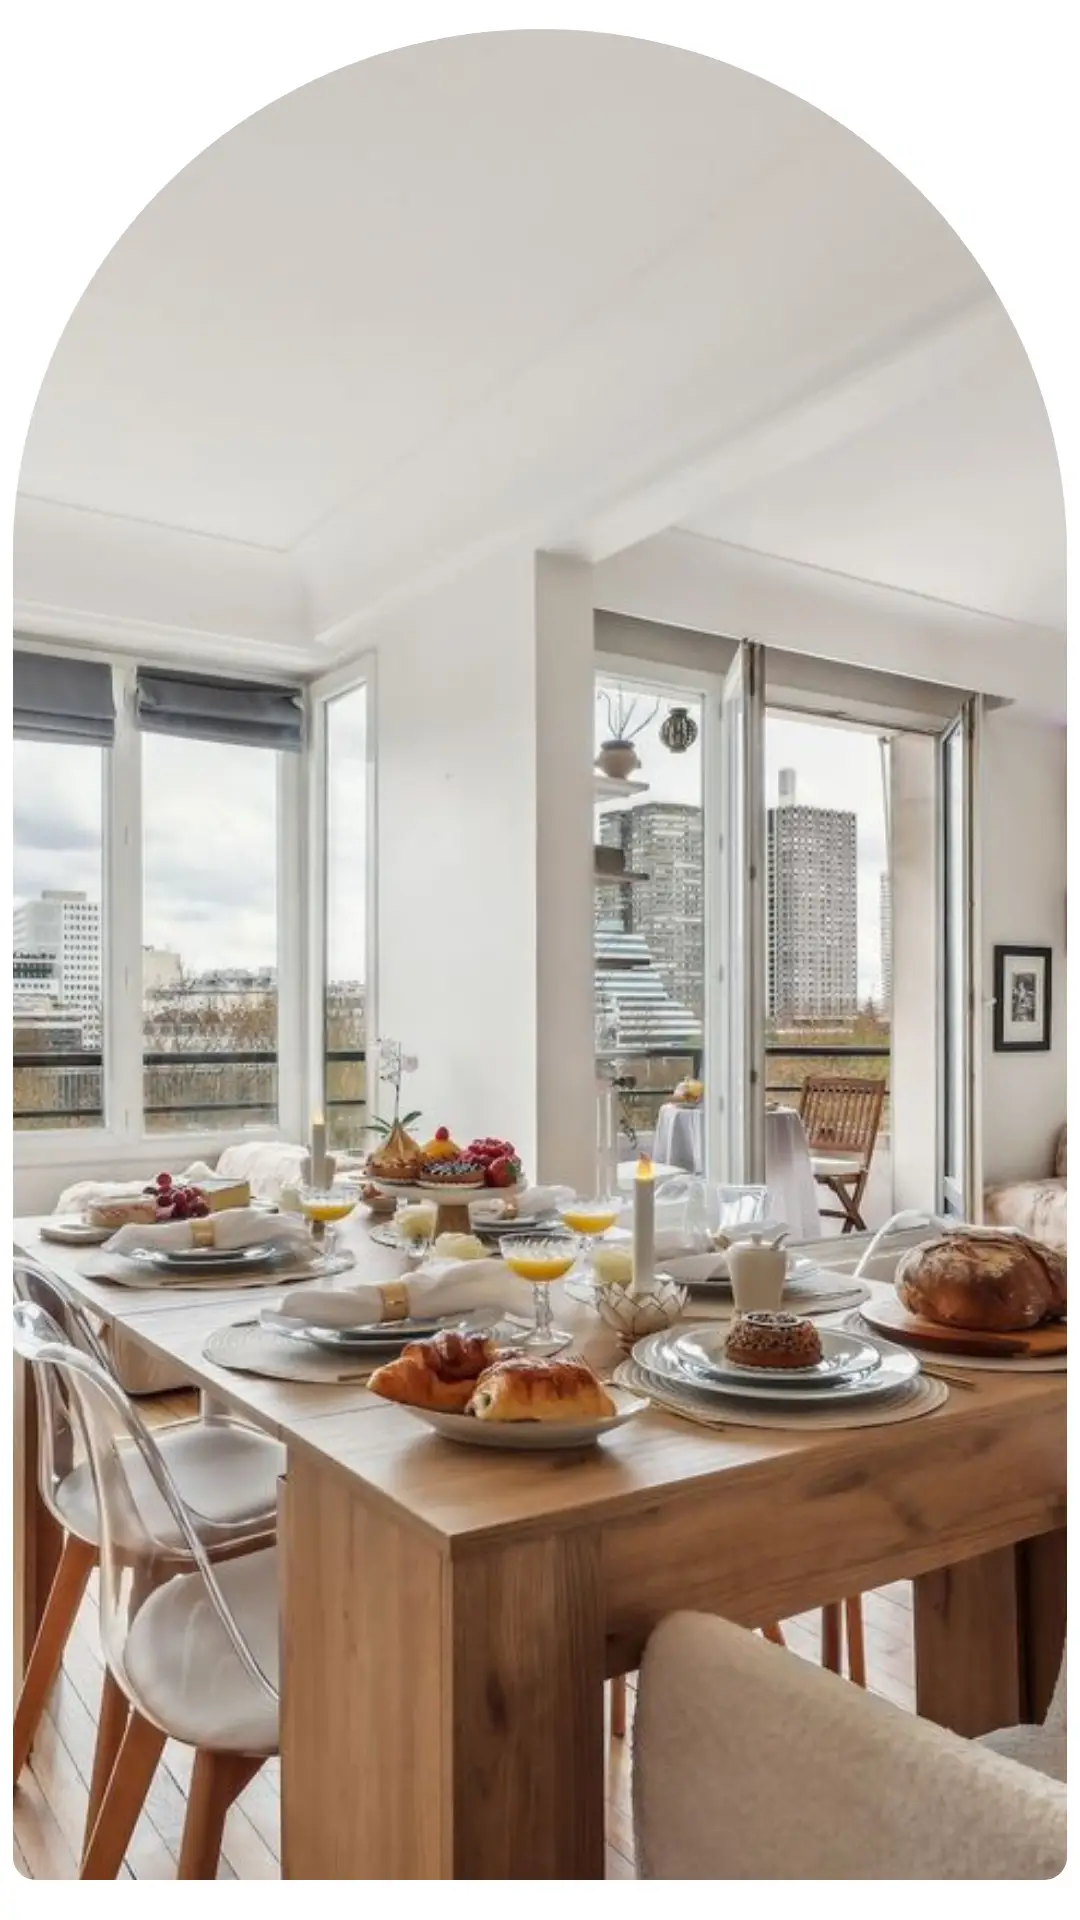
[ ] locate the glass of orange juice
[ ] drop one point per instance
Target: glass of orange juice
(323, 1209)
(541, 1262)
(589, 1216)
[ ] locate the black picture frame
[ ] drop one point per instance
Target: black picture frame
(1013, 983)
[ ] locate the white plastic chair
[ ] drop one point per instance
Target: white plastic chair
(226, 1473)
(191, 1644)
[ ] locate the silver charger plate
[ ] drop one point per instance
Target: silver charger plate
(658, 1356)
(844, 1356)
(198, 1260)
(531, 1436)
(383, 1337)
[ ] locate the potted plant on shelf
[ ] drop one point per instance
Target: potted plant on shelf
(618, 755)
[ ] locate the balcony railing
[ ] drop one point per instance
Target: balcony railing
(65, 1089)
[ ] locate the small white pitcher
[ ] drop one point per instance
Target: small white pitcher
(758, 1269)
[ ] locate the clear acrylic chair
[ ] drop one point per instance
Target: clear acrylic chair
(227, 1474)
(190, 1642)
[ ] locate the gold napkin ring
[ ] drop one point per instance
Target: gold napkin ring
(395, 1300)
(202, 1233)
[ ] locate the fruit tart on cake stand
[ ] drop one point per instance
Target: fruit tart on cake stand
(452, 1176)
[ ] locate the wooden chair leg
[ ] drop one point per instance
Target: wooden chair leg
(856, 1646)
(831, 1636)
(113, 1713)
(216, 1780)
(63, 1603)
(618, 1706)
(774, 1632)
(122, 1801)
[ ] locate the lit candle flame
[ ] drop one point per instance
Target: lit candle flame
(644, 1168)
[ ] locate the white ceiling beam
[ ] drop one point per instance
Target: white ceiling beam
(682, 579)
(890, 381)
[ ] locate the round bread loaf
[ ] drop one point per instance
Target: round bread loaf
(990, 1282)
(773, 1340)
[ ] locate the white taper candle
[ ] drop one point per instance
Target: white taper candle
(644, 1268)
(318, 1151)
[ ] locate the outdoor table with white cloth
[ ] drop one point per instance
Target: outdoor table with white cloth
(680, 1142)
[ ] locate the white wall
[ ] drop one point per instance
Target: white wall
(1022, 779)
(484, 864)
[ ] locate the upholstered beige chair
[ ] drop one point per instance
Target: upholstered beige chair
(751, 1764)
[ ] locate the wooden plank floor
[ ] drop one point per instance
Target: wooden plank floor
(50, 1799)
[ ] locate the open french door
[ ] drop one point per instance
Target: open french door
(737, 1065)
(960, 1036)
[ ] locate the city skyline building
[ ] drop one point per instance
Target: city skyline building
(66, 926)
(662, 843)
(812, 909)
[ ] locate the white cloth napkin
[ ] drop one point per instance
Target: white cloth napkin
(92, 1193)
(443, 1286)
(234, 1227)
(533, 1200)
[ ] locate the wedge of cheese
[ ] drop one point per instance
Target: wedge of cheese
(220, 1194)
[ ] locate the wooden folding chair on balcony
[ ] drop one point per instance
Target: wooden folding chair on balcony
(841, 1118)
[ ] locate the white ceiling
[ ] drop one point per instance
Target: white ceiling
(566, 287)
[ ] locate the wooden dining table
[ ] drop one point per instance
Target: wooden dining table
(449, 1615)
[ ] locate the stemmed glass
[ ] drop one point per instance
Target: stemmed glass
(589, 1216)
(415, 1221)
(324, 1208)
(541, 1262)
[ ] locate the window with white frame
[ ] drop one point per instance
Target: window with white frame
(345, 983)
(150, 837)
(58, 1028)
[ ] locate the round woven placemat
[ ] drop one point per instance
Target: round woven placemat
(909, 1403)
(248, 1348)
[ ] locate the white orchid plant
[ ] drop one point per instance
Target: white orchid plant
(394, 1064)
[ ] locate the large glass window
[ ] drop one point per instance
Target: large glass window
(344, 1026)
(649, 909)
(210, 935)
(58, 1030)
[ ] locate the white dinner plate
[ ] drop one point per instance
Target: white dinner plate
(384, 1335)
(659, 1356)
(73, 1232)
(202, 1260)
(531, 1436)
(844, 1356)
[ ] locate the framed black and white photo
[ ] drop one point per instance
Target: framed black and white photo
(1021, 999)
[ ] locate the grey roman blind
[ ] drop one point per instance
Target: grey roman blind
(242, 713)
(59, 699)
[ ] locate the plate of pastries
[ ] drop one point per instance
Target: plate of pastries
(443, 1165)
(472, 1391)
(977, 1290)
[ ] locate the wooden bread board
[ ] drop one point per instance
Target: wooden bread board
(891, 1317)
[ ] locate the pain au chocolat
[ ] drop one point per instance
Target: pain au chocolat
(518, 1388)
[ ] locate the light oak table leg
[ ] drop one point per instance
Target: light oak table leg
(988, 1636)
(442, 1711)
(38, 1540)
(63, 1603)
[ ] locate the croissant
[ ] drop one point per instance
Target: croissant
(524, 1389)
(439, 1373)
